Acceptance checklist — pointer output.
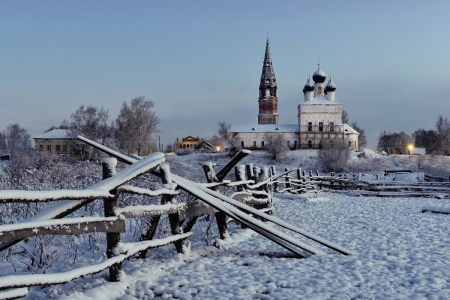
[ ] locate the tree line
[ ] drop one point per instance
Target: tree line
(435, 141)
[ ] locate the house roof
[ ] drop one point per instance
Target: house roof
(265, 128)
(55, 134)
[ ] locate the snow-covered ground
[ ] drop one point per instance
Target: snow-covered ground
(400, 252)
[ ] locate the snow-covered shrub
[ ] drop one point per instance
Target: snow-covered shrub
(333, 155)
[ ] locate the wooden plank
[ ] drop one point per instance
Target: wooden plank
(13, 294)
(116, 226)
(230, 165)
(17, 281)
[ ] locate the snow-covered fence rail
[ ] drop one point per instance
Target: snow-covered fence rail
(223, 204)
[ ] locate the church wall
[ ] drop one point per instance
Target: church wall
(255, 139)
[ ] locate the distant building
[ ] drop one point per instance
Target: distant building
(187, 142)
(58, 141)
(319, 116)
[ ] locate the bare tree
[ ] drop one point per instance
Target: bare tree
(345, 118)
(362, 140)
(334, 154)
(274, 144)
(443, 133)
(135, 125)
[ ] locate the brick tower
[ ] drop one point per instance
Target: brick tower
(268, 100)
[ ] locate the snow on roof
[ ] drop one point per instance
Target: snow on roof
(55, 134)
(265, 128)
(349, 130)
(319, 100)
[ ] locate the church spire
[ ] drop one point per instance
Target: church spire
(268, 101)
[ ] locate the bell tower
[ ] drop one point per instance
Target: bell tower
(268, 100)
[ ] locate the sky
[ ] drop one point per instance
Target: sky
(200, 61)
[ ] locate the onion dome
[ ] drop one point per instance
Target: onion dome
(309, 87)
(331, 87)
(319, 76)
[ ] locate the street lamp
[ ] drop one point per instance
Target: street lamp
(410, 148)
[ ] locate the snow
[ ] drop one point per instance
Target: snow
(399, 252)
(55, 134)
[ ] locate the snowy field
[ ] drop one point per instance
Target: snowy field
(400, 252)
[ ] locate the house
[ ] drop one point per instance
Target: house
(59, 141)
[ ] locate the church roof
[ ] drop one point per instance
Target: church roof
(55, 134)
(268, 73)
(350, 130)
(265, 128)
(319, 100)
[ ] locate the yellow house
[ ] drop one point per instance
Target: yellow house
(187, 142)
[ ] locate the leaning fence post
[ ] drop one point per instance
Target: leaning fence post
(112, 239)
(299, 174)
(239, 173)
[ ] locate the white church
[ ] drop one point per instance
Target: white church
(319, 115)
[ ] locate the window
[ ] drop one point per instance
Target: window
(242, 144)
(309, 144)
(288, 144)
(41, 147)
(262, 144)
(309, 126)
(349, 143)
(65, 148)
(331, 126)
(49, 147)
(319, 90)
(295, 144)
(320, 126)
(58, 148)
(254, 144)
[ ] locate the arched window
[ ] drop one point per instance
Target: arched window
(319, 90)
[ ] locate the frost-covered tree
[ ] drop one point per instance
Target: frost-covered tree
(17, 140)
(333, 155)
(135, 125)
(90, 122)
(394, 142)
(275, 145)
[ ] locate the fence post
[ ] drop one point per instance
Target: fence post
(287, 179)
(249, 171)
(173, 218)
(220, 216)
(299, 174)
(275, 184)
(239, 173)
(112, 239)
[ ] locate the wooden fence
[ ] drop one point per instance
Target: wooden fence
(254, 187)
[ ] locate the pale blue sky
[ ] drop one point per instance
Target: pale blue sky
(200, 61)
